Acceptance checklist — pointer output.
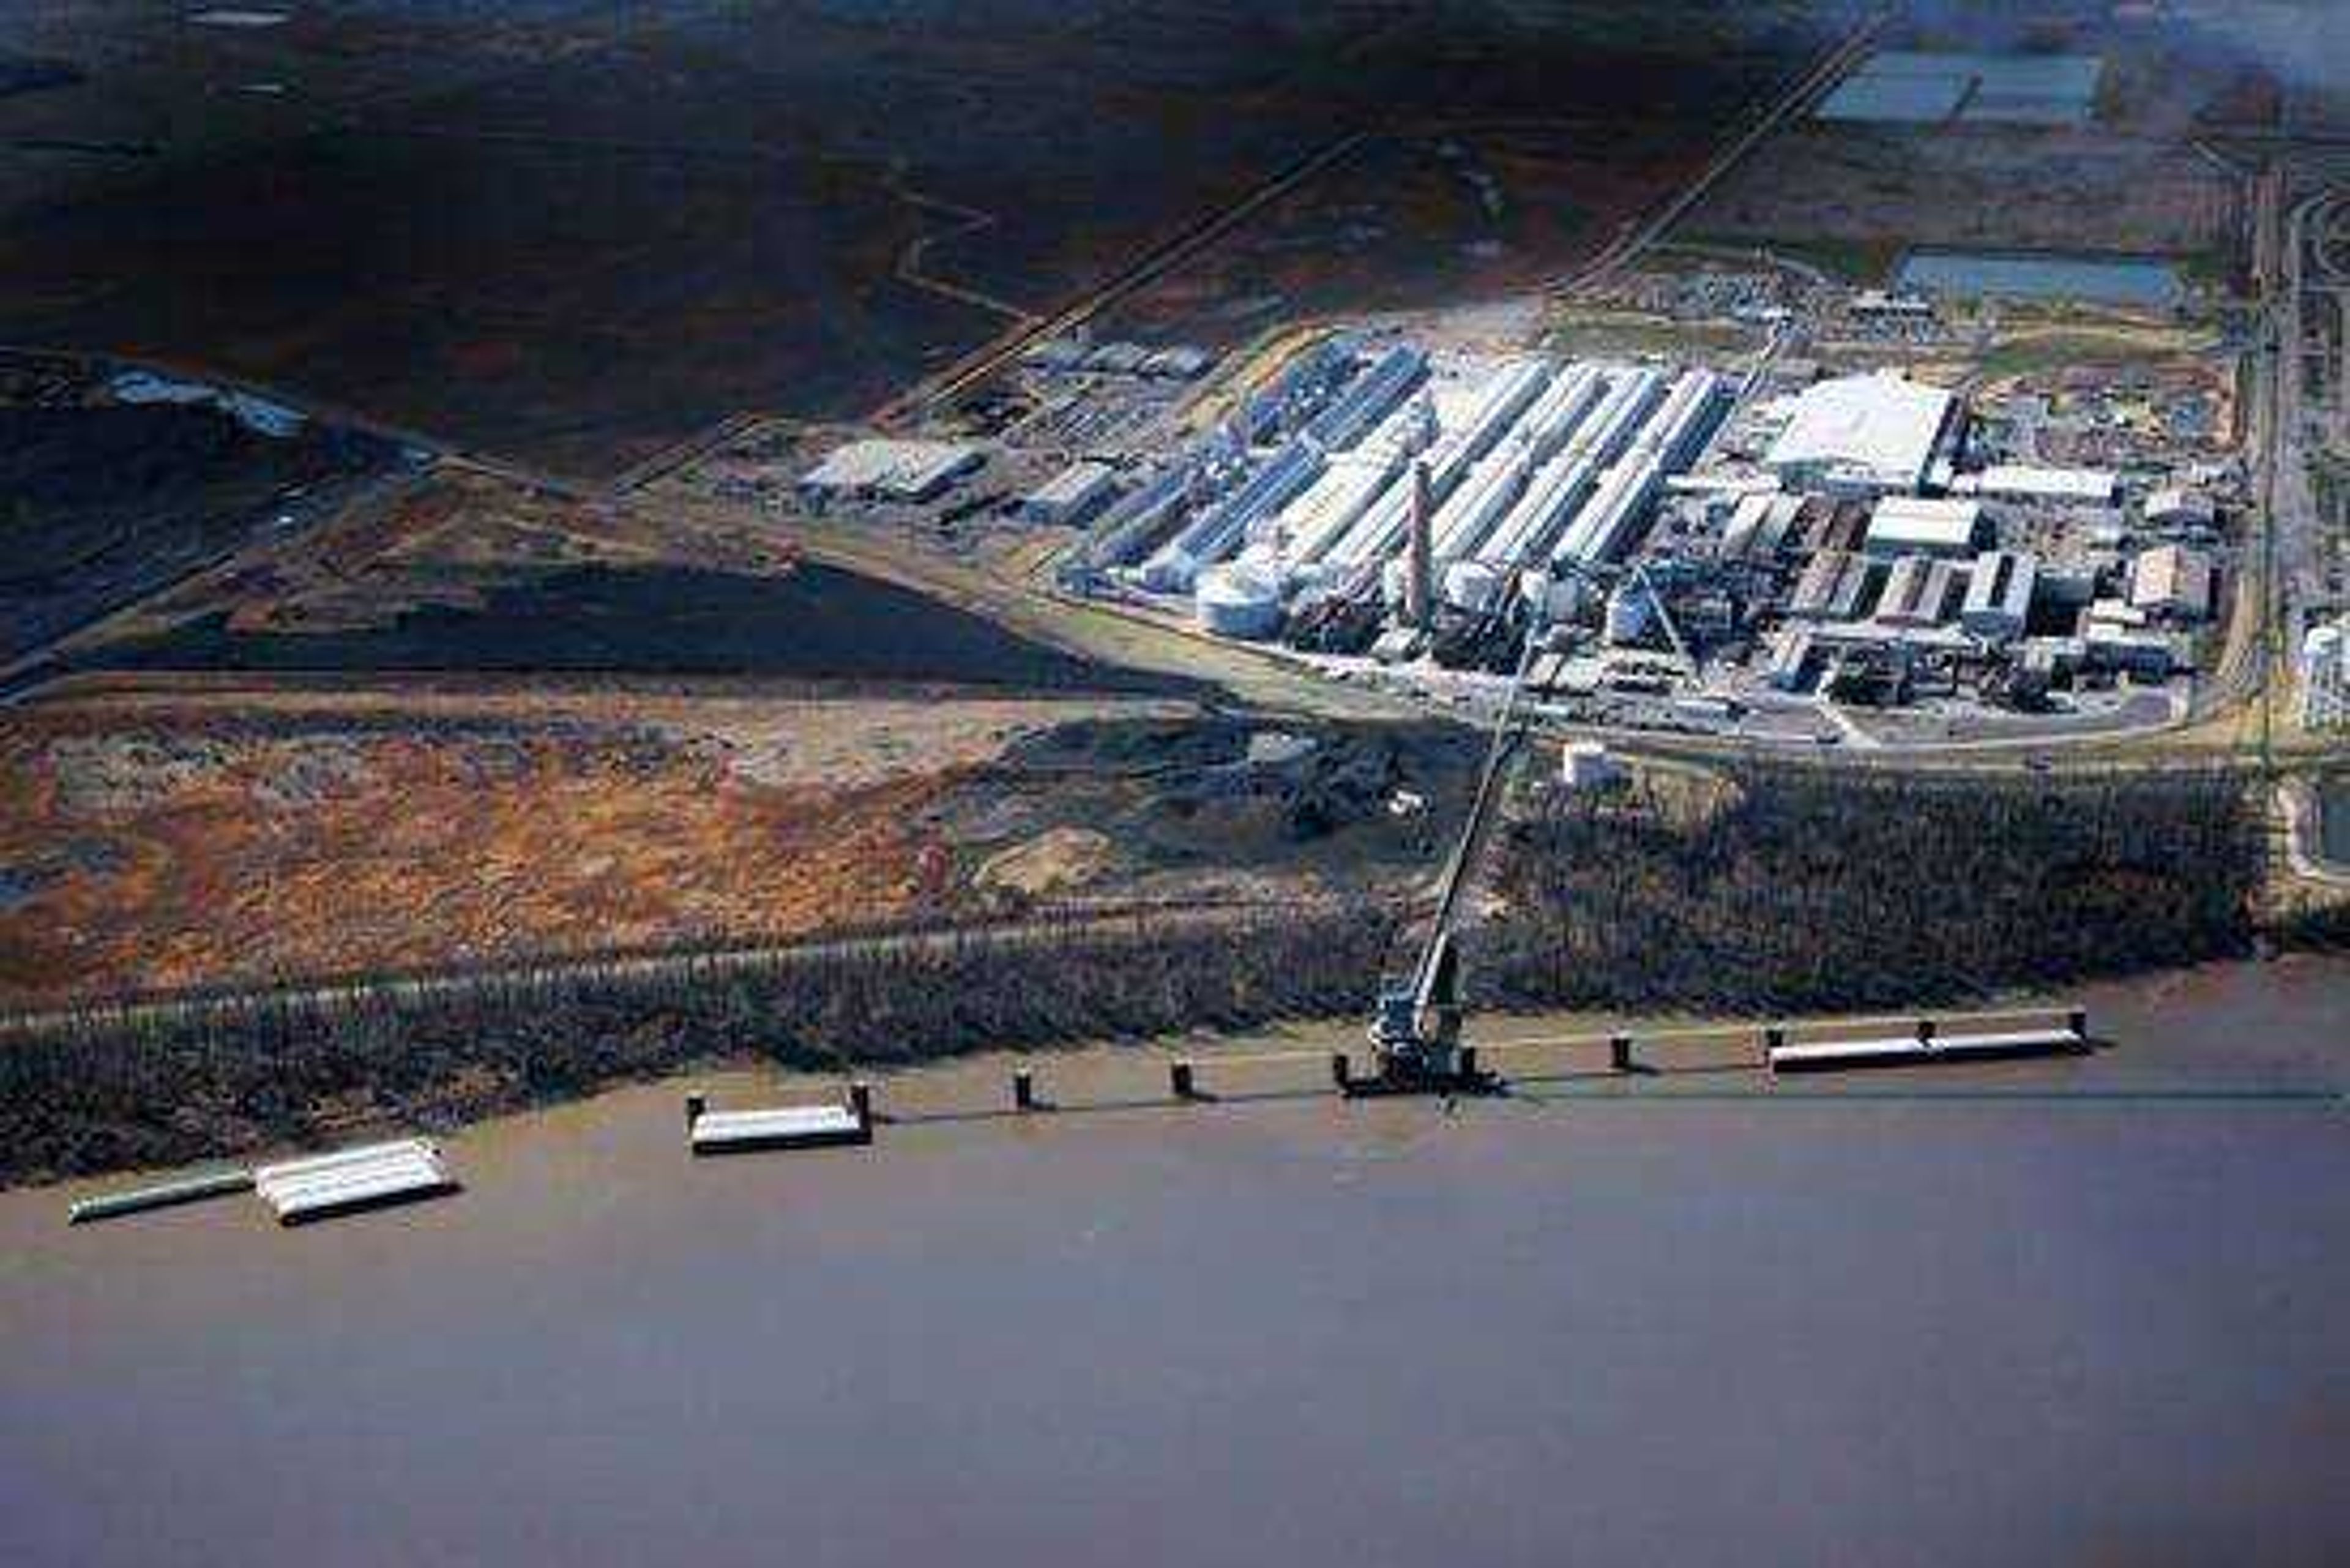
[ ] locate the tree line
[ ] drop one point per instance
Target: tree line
(1794, 890)
(176, 1088)
(1763, 891)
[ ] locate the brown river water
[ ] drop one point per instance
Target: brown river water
(2092, 1311)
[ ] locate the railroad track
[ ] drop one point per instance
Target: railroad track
(1639, 235)
(1136, 275)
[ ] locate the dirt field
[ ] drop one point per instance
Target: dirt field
(161, 840)
(173, 835)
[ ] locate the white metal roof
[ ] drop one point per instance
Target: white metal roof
(1072, 486)
(1883, 424)
(896, 466)
(2029, 481)
(1900, 520)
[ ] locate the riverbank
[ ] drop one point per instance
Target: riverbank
(1752, 894)
(1545, 1052)
(2061, 1311)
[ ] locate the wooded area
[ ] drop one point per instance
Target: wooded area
(105, 1097)
(1797, 890)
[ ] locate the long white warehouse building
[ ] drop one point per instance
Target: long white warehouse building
(1498, 403)
(1528, 462)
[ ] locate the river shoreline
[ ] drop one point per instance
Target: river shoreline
(2071, 1310)
(1563, 1050)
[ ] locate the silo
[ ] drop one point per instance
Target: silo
(1237, 600)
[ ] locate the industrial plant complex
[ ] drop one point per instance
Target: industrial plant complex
(1751, 544)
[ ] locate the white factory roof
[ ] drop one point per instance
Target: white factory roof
(2030, 482)
(1073, 489)
(1883, 427)
(892, 467)
(1911, 521)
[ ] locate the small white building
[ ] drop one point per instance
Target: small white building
(2173, 583)
(2023, 482)
(2114, 615)
(1070, 496)
(1911, 524)
(2324, 672)
(1876, 305)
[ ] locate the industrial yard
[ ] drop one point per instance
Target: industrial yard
(1805, 514)
(1046, 715)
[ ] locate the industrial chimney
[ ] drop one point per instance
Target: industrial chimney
(1419, 587)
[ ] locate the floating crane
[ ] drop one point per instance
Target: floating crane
(1416, 1027)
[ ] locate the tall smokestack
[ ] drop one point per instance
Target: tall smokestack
(1419, 587)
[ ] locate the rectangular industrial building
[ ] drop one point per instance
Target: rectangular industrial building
(2172, 582)
(1834, 586)
(1999, 595)
(1907, 524)
(1759, 526)
(892, 469)
(1862, 435)
(1071, 495)
(1918, 592)
(2026, 482)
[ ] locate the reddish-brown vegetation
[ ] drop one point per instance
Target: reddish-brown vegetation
(156, 856)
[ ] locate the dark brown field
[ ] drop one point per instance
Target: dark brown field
(572, 234)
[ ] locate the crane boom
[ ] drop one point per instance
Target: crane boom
(1416, 1026)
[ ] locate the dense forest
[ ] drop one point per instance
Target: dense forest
(105, 1097)
(1790, 890)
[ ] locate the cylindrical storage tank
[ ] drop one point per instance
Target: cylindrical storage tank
(1395, 581)
(1628, 609)
(1237, 601)
(1263, 561)
(1471, 585)
(1555, 599)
